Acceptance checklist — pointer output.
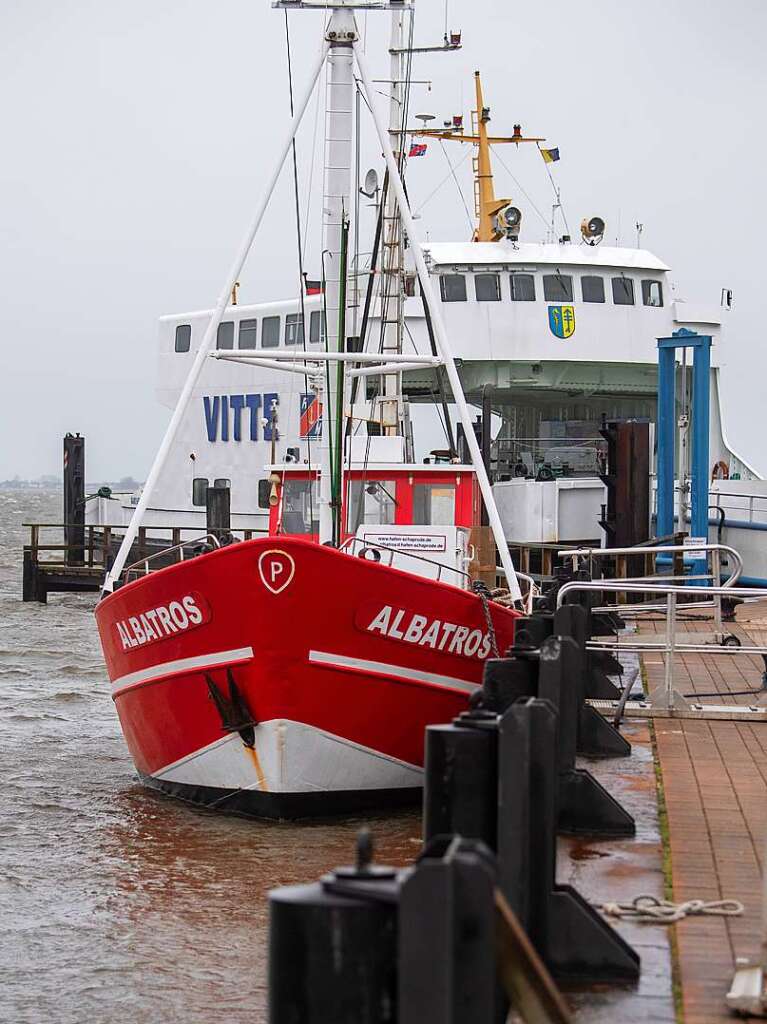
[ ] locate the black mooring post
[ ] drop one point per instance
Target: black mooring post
(576, 621)
(33, 582)
(461, 779)
(570, 936)
(585, 806)
(218, 511)
(74, 499)
(516, 675)
(596, 736)
(447, 957)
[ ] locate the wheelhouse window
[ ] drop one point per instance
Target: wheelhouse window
(270, 332)
(487, 287)
(623, 291)
(522, 288)
(316, 327)
(452, 287)
(183, 338)
(200, 491)
(652, 293)
(434, 505)
(370, 503)
(247, 334)
(557, 288)
(298, 507)
(294, 329)
(593, 289)
(225, 335)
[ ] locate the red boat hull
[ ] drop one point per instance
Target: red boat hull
(338, 665)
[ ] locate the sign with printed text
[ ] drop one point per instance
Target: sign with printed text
(692, 544)
(408, 541)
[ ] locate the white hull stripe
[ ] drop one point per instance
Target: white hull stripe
(262, 726)
(170, 668)
(386, 669)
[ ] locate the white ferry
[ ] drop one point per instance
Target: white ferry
(554, 335)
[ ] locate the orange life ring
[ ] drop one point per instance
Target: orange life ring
(721, 471)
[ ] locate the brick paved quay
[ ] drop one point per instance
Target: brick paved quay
(714, 777)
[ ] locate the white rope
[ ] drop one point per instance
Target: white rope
(651, 910)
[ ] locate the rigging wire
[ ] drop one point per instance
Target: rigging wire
(519, 186)
(301, 278)
(321, 89)
(457, 185)
(434, 191)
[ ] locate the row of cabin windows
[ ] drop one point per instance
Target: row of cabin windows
(556, 288)
(247, 332)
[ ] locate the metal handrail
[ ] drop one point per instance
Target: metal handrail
(659, 549)
(617, 586)
(674, 700)
(715, 548)
(205, 538)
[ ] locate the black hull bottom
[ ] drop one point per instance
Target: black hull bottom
(250, 803)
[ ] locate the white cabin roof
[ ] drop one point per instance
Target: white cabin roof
(530, 254)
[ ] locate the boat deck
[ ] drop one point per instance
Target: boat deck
(714, 777)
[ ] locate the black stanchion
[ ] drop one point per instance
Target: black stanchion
(426, 945)
(596, 736)
(570, 936)
(447, 940)
(585, 806)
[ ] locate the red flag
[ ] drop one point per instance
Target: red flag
(417, 149)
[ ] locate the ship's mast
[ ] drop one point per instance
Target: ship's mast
(335, 210)
(486, 206)
(392, 290)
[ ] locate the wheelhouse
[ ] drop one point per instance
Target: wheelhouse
(396, 495)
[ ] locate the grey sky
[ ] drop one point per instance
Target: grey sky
(137, 137)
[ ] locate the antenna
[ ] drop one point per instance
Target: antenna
(370, 188)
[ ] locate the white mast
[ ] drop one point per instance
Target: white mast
(335, 209)
(392, 298)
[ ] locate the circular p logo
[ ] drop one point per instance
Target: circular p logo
(276, 569)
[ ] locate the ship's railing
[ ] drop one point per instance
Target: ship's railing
(199, 545)
(621, 557)
(742, 506)
(559, 456)
(351, 544)
(670, 645)
(101, 539)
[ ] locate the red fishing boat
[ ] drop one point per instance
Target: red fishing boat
(280, 677)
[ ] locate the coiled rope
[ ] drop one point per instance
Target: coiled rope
(651, 910)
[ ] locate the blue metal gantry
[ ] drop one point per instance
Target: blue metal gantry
(666, 432)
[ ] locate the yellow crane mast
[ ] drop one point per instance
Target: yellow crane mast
(486, 206)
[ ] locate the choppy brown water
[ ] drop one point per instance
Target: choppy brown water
(115, 903)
